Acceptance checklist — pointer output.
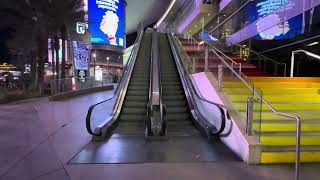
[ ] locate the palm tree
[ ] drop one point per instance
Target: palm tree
(56, 46)
(36, 19)
(28, 19)
(63, 13)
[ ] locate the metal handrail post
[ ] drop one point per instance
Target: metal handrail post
(249, 113)
(220, 77)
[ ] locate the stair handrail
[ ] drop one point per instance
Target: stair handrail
(224, 111)
(232, 61)
(308, 53)
(296, 118)
(259, 54)
(119, 88)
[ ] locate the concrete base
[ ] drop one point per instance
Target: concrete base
(80, 92)
(246, 147)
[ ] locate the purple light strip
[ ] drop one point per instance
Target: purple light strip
(223, 4)
(190, 18)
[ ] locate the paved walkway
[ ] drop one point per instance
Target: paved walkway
(38, 138)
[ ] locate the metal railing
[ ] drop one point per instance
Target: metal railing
(264, 58)
(255, 93)
(60, 86)
(189, 85)
(195, 43)
(13, 91)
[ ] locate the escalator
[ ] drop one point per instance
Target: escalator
(183, 140)
(134, 110)
(178, 115)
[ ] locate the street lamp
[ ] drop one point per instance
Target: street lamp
(299, 51)
(108, 69)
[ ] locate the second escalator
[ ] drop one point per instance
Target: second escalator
(177, 116)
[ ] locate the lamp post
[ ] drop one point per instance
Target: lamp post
(108, 68)
(299, 51)
(94, 65)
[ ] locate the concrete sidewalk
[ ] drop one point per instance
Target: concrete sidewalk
(39, 137)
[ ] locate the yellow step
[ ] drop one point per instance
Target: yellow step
(270, 116)
(275, 91)
(284, 79)
(288, 157)
(280, 107)
(263, 85)
(286, 127)
(289, 140)
(281, 98)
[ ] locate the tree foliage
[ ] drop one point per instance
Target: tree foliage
(36, 20)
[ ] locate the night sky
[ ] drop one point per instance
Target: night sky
(4, 36)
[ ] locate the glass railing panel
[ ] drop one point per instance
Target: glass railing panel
(60, 86)
(258, 109)
(232, 86)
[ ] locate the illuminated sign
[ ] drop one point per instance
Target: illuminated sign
(107, 22)
(81, 28)
(81, 55)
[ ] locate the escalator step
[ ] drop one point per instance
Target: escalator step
(135, 104)
(137, 93)
(171, 79)
(172, 92)
(172, 88)
(179, 123)
(139, 79)
(134, 110)
(177, 117)
(175, 103)
(123, 129)
(137, 98)
(171, 83)
(133, 117)
(177, 110)
(146, 84)
(173, 98)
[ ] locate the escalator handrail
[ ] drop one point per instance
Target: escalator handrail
(119, 88)
(149, 110)
(222, 108)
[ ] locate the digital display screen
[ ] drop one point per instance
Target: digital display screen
(107, 22)
(81, 55)
(206, 36)
(265, 12)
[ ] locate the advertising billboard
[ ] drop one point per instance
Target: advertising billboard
(267, 16)
(107, 22)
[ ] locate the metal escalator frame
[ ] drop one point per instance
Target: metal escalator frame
(190, 91)
(120, 93)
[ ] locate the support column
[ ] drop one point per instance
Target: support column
(206, 61)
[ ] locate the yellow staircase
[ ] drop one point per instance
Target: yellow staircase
(296, 96)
